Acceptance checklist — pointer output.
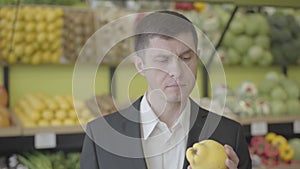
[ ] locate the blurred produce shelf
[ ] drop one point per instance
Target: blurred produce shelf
(269, 119)
(29, 131)
(278, 3)
(281, 167)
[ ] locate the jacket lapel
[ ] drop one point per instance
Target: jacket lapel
(197, 120)
(132, 128)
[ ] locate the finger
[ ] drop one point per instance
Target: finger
(231, 154)
(189, 167)
(230, 164)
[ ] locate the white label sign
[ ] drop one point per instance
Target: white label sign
(44, 140)
(259, 128)
(297, 126)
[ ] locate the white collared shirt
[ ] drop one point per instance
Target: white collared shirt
(164, 148)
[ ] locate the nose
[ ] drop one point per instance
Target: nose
(175, 68)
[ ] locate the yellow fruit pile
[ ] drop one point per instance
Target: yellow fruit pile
(44, 110)
(31, 35)
(78, 28)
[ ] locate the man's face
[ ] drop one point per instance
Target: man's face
(170, 67)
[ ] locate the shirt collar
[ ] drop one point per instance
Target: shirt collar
(150, 120)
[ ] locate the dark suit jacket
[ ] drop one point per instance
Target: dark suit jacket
(112, 142)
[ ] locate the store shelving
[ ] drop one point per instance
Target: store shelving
(19, 144)
(296, 166)
(269, 119)
(275, 3)
(29, 131)
(69, 138)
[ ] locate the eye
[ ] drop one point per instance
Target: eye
(186, 58)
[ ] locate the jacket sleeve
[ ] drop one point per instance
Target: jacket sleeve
(88, 158)
(243, 151)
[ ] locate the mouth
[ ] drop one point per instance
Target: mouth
(175, 85)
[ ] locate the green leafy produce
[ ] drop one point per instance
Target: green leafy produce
(295, 143)
(251, 41)
(293, 106)
(273, 77)
(247, 62)
(35, 160)
(58, 160)
(229, 38)
(291, 87)
(262, 41)
(233, 56)
(242, 43)
(278, 93)
(250, 28)
(266, 86)
(284, 36)
(267, 59)
(278, 107)
(238, 25)
(255, 53)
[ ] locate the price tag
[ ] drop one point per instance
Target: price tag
(259, 128)
(44, 140)
(297, 126)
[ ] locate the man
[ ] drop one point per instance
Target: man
(155, 131)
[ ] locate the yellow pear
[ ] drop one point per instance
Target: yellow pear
(56, 122)
(43, 123)
(60, 114)
(69, 122)
(47, 114)
(207, 154)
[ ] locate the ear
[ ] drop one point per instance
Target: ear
(139, 65)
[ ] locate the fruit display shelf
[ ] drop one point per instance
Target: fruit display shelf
(279, 3)
(31, 131)
(269, 119)
(19, 139)
(19, 144)
(296, 166)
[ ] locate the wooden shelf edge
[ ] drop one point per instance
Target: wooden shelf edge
(275, 3)
(214, 1)
(295, 166)
(10, 131)
(269, 119)
(30, 131)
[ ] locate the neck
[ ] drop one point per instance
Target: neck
(167, 112)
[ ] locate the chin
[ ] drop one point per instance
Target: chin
(175, 99)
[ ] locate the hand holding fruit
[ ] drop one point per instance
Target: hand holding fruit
(233, 160)
(209, 154)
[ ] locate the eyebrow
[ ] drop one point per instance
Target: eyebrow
(161, 56)
(166, 55)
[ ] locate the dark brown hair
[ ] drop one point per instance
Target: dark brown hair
(165, 24)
